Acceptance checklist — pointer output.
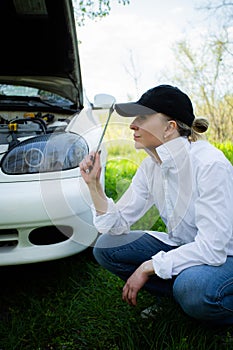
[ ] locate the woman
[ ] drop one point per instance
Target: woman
(191, 184)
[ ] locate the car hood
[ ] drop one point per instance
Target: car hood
(39, 47)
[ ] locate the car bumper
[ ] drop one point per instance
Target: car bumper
(30, 212)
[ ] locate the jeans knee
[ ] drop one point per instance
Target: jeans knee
(205, 293)
(193, 299)
(106, 246)
(186, 296)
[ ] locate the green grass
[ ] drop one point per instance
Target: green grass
(74, 304)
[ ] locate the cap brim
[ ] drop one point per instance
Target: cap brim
(132, 109)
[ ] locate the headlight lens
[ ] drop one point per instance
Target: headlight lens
(45, 153)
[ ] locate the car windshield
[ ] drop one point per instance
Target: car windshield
(15, 90)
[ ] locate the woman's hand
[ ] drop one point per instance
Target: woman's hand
(90, 168)
(136, 281)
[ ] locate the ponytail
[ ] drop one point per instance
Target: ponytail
(200, 125)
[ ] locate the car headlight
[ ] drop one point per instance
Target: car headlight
(45, 153)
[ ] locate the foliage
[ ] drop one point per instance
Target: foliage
(203, 71)
(220, 8)
(202, 68)
(92, 9)
(227, 149)
(119, 174)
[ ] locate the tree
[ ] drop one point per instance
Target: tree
(132, 69)
(93, 9)
(223, 8)
(204, 73)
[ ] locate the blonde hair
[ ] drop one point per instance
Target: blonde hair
(200, 125)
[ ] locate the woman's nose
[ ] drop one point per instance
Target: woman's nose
(133, 126)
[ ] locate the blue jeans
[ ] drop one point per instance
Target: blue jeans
(203, 292)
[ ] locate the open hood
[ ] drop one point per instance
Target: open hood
(39, 47)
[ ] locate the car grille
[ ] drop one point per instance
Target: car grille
(8, 238)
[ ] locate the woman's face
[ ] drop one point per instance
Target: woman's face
(149, 130)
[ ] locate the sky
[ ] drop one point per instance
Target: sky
(143, 31)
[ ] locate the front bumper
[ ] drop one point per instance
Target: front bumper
(28, 209)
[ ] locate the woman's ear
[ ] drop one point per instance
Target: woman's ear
(170, 129)
(172, 125)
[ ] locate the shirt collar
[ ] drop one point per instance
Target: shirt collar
(173, 152)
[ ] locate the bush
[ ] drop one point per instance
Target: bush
(227, 149)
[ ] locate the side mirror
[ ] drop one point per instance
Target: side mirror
(102, 101)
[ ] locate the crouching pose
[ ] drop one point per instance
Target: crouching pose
(191, 184)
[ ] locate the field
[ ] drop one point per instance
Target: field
(74, 304)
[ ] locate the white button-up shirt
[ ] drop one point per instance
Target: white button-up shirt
(192, 188)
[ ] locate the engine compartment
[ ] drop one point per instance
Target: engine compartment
(24, 124)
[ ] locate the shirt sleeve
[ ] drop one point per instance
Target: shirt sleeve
(213, 217)
(134, 203)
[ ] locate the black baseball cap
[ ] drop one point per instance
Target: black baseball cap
(164, 99)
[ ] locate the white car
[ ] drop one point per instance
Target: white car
(46, 129)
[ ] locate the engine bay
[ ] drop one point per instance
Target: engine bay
(26, 124)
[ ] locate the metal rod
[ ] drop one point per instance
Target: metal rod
(111, 110)
(102, 136)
